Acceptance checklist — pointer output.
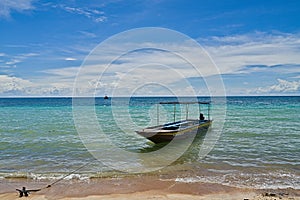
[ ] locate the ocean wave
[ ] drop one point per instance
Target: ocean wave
(271, 180)
(50, 176)
(235, 178)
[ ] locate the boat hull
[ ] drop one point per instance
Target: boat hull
(185, 129)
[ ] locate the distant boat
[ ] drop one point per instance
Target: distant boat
(178, 129)
(105, 97)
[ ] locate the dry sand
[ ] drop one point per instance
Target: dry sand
(159, 195)
(140, 188)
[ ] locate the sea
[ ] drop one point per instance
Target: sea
(257, 143)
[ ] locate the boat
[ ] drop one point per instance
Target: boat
(105, 97)
(178, 130)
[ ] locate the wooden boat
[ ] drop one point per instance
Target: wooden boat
(177, 129)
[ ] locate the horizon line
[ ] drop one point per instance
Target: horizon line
(286, 95)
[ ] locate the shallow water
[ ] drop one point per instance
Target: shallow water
(259, 145)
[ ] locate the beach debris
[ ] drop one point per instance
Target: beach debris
(24, 192)
(276, 195)
(270, 194)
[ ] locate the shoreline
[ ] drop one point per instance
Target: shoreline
(140, 188)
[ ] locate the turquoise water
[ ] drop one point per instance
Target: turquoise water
(259, 145)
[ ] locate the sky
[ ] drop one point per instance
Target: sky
(253, 44)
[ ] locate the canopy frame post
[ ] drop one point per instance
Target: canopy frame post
(157, 111)
(187, 111)
(174, 112)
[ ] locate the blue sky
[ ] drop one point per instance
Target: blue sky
(255, 44)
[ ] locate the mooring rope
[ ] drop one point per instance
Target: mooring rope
(72, 172)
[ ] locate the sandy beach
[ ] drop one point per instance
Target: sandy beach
(141, 188)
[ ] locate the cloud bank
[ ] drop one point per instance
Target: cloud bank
(254, 64)
(282, 86)
(232, 53)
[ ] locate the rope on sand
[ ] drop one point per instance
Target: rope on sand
(66, 176)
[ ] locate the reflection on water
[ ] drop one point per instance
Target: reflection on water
(192, 152)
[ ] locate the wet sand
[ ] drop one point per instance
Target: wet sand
(139, 188)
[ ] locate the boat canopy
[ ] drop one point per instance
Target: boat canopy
(208, 103)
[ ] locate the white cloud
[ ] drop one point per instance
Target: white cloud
(88, 34)
(13, 62)
(70, 59)
(100, 19)
(279, 69)
(13, 84)
(231, 53)
(7, 6)
(94, 14)
(26, 55)
(68, 72)
(283, 86)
